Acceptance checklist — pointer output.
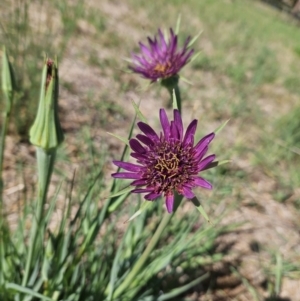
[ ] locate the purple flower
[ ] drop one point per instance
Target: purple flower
(161, 59)
(167, 162)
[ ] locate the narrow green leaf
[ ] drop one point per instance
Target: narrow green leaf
(123, 191)
(124, 140)
(221, 127)
(195, 38)
(186, 80)
(195, 56)
(113, 207)
(216, 163)
(178, 22)
(174, 293)
(52, 206)
(36, 288)
(8, 80)
(115, 271)
(144, 206)
(278, 274)
(138, 112)
(67, 206)
(175, 105)
(130, 61)
(25, 290)
(247, 284)
(196, 202)
(203, 213)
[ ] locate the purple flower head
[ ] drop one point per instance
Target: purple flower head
(169, 162)
(161, 59)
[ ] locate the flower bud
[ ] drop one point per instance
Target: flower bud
(46, 131)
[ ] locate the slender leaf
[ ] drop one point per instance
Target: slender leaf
(138, 112)
(25, 290)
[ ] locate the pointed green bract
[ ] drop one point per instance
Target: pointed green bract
(197, 204)
(186, 80)
(46, 131)
(195, 56)
(175, 103)
(195, 38)
(138, 112)
(124, 140)
(123, 191)
(144, 206)
(177, 28)
(220, 128)
(203, 213)
(216, 163)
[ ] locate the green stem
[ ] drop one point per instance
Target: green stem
(153, 242)
(3, 222)
(45, 163)
(141, 261)
(172, 84)
(178, 97)
(2, 147)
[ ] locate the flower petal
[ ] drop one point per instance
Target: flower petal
(202, 183)
(199, 156)
(125, 175)
(148, 131)
(165, 124)
(142, 190)
(174, 131)
(145, 50)
(139, 182)
(204, 142)
(187, 192)
(173, 42)
(190, 132)
(127, 166)
(139, 157)
(136, 146)
(205, 162)
(178, 123)
(170, 202)
(152, 196)
(144, 139)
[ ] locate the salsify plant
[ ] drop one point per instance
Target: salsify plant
(86, 257)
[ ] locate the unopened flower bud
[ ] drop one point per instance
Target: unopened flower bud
(46, 131)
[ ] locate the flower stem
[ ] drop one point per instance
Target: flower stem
(45, 163)
(172, 84)
(8, 88)
(178, 97)
(6, 116)
(141, 261)
(153, 242)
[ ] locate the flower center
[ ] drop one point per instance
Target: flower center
(167, 165)
(162, 68)
(170, 166)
